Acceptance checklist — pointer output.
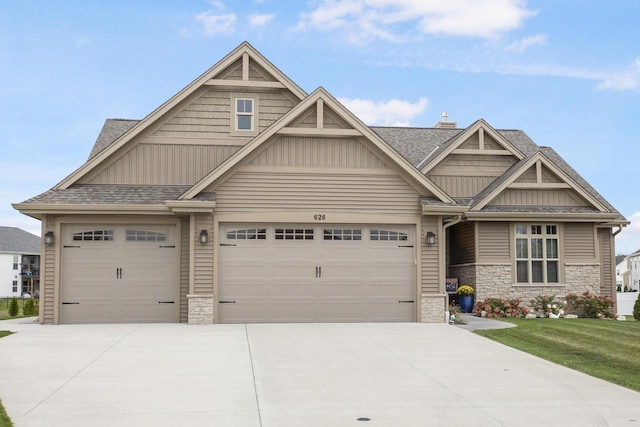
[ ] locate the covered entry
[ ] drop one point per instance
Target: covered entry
(311, 273)
(118, 274)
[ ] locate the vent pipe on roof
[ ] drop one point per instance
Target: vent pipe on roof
(444, 122)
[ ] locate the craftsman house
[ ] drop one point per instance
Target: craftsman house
(245, 199)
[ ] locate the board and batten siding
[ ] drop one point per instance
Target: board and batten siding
(528, 197)
(161, 164)
(429, 280)
(494, 242)
(462, 243)
(579, 241)
(318, 152)
(465, 175)
(203, 255)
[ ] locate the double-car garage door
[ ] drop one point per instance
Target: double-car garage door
(312, 273)
(118, 274)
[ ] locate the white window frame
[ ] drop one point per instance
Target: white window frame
(547, 234)
(235, 114)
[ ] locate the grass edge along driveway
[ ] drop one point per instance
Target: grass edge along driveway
(606, 349)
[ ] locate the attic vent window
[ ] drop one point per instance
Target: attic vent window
(244, 115)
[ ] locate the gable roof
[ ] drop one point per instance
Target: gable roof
(242, 51)
(440, 153)
(320, 95)
(17, 241)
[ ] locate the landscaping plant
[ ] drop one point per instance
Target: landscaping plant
(13, 307)
(497, 307)
(590, 305)
(636, 309)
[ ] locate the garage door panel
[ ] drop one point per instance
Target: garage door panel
(118, 279)
(339, 276)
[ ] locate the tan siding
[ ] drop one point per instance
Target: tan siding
(203, 280)
(462, 243)
(550, 177)
(525, 197)
(494, 242)
(579, 242)
(47, 275)
(607, 267)
(465, 175)
(232, 72)
(473, 143)
(258, 74)
(184, 269)
(155, 164)
(318, 152)
(209, 115)
(529, 176)
(260, 191)
(430, 270)
(461, 186)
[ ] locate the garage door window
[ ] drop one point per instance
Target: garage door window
(145, 236)
(247, 234)
(341, 234)
(294, 234)
(94, 235)
(380, 235)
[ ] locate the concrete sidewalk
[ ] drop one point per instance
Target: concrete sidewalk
(269, 375)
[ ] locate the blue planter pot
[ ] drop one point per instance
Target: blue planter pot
(466, 303)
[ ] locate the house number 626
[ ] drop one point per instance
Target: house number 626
(319, 217)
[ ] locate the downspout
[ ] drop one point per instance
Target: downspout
(443, 258)
(620, 227)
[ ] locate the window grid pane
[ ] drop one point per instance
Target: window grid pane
(537, 252)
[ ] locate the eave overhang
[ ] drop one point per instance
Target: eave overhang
(544, 216)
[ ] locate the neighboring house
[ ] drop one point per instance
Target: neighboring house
(634, 270)
(622, 272)
(245, 199)
(19, 262)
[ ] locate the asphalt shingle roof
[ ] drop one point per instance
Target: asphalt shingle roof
(15, 240)
(415, 144)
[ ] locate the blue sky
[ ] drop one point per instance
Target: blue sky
(567, 72)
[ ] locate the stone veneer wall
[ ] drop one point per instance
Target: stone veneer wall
(495, 281)
(433, 308)
(200, 309)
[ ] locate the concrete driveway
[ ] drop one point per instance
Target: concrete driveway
(276, 375)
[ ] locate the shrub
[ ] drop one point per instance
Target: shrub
(497, 307)
(30, 308)
(636, 309)
(13, 307)
(590, 305)
(547, 305)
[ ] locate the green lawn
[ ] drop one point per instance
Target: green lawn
(606, 349)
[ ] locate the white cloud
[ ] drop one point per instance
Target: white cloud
(525, 43)
(395, 112)
(257, 19)
(369, 19)
(216, 24)
(628, 241)
(627, 80)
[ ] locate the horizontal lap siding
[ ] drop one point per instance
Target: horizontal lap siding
(203, 256)
(430, 269)
(462, 243)
(47, 274)
(607, 268)
(494, 242)
(184, 269)
(251, 191)
(579, 242)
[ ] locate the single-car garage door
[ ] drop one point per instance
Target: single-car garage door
(118, 274)
(311, 273)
